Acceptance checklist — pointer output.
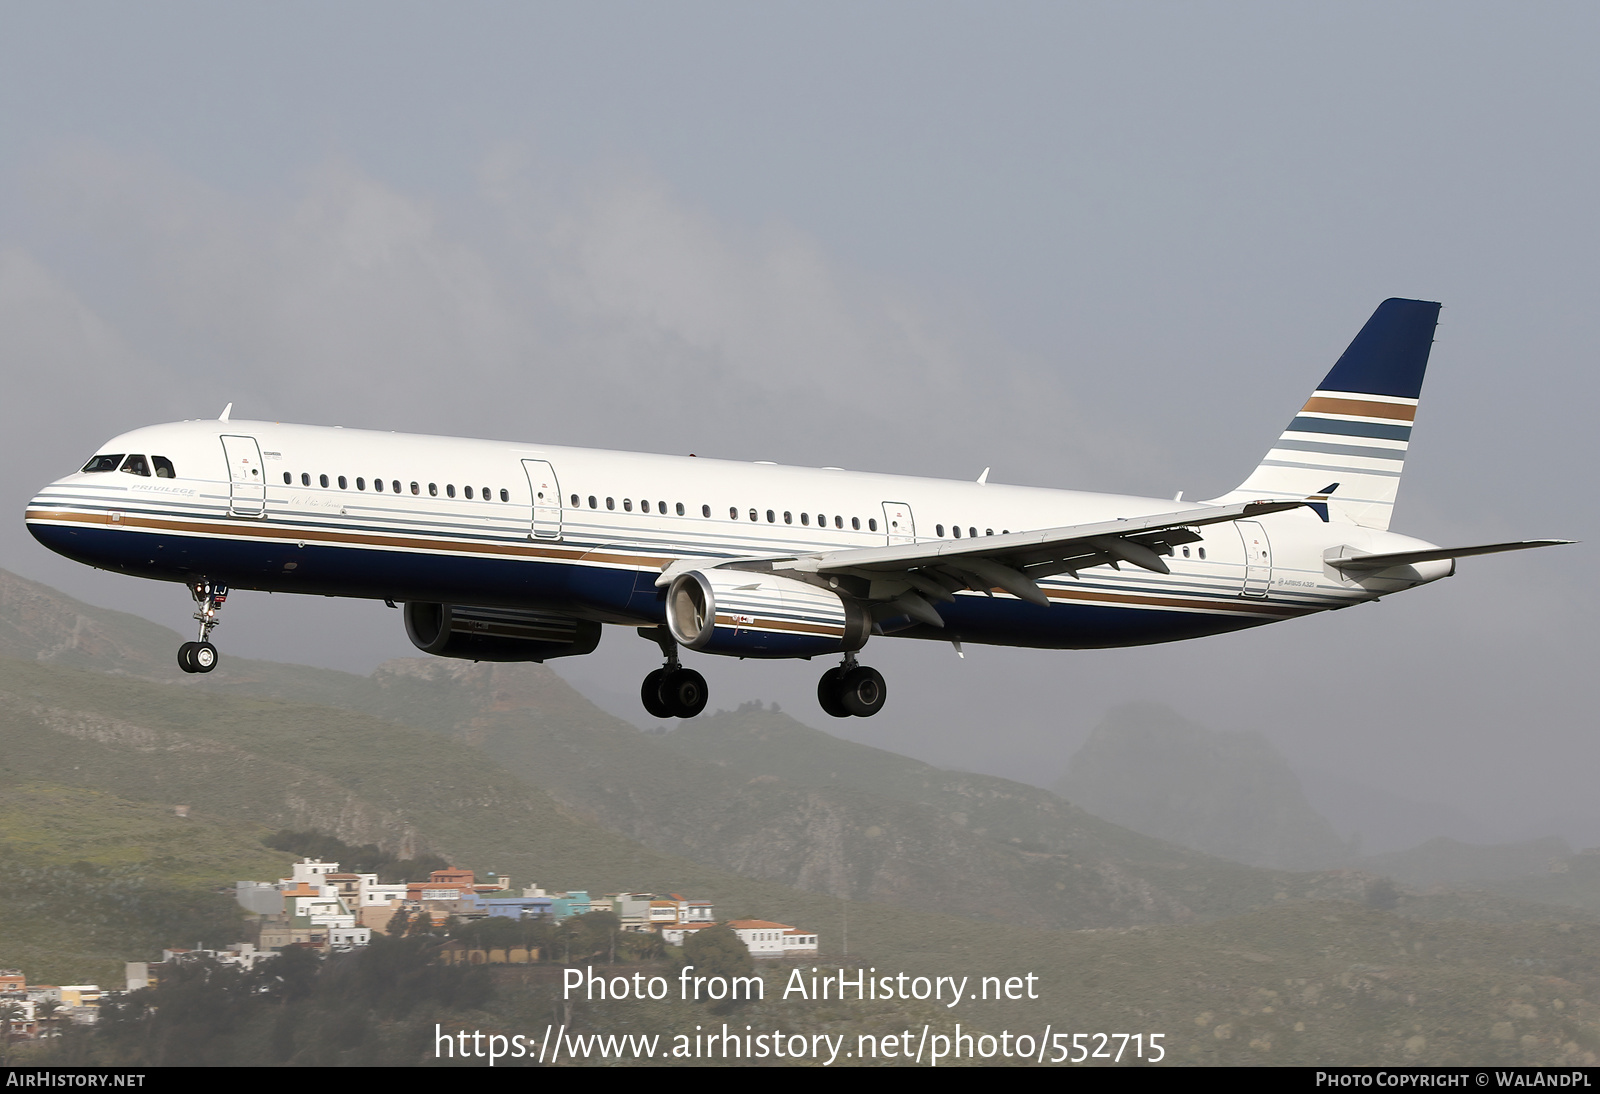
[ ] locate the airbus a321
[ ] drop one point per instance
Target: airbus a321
(521, 552)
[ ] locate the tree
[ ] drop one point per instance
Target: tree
(718, 951)
(9, 1012)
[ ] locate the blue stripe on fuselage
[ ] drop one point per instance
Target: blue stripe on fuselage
(618, 595)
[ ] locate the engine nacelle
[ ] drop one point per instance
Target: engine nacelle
(742, 613)
(497, 634)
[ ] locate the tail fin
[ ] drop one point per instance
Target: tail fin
(1349, 441)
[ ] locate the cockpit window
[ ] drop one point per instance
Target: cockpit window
(136, 465)
(103, 463)
(164, 468)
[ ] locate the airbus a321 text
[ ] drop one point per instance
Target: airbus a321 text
(521, 552)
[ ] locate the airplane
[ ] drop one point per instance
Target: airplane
(522, 552)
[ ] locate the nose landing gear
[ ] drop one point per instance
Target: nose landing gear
(209, 597)
(851, 690)
(671, 691)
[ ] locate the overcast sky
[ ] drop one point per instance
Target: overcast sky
(1101, 246)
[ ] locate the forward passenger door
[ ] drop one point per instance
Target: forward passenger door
(247, 480)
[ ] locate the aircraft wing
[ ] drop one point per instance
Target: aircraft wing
(906, 577)
(1366, 564)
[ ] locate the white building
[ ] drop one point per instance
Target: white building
(767, 939)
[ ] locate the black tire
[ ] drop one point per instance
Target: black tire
(186, 656)
(863, 692)
(650, 695)
(830, 693)
(203, 656)
(685, 692)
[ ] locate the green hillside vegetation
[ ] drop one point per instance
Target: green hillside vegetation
(94, 880)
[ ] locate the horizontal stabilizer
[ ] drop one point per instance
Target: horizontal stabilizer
(1366, 564)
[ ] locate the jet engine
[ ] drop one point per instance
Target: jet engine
(743, 613)
(497, 634)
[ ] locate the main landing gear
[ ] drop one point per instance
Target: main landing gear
(671, 691)
(201, 656)
(851, 690)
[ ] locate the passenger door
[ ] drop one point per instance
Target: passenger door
(247, 480)
(1257, 558)
(546, 498)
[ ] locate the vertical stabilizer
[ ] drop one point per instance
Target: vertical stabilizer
(1350, 438)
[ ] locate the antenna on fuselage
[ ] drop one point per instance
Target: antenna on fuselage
(225, 412)
(983, 479)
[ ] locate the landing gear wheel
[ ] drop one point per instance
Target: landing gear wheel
(650, 695)
(203, 657)
(685, 692)
(186, 656)
(862, 692)
(830, 693)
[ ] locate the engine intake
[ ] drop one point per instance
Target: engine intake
(497, 634)
(741, 613)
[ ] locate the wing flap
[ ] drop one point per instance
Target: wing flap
(1135, 541)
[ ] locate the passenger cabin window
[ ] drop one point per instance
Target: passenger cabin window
(103, 463)
(288, 479)
(164, 468)
(377, 484)
(416, 489)
(627, 505)
(705, 510)
(505, 495)
(136, 465)
(433, 490)
(592, 505)
(468, 491)
(574, 497)
(872, 524)
(855, 523)
(344, 483)
(305, 478)
(394, 484)
(611, 503)
(323, 479)
(450, 490)
(680, 510)
(938, 530)
(361, 483)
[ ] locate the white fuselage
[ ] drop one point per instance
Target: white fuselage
(295, 508)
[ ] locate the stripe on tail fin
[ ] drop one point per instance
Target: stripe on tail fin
(1356, 426)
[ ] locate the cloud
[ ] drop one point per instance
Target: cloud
(574, 308)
